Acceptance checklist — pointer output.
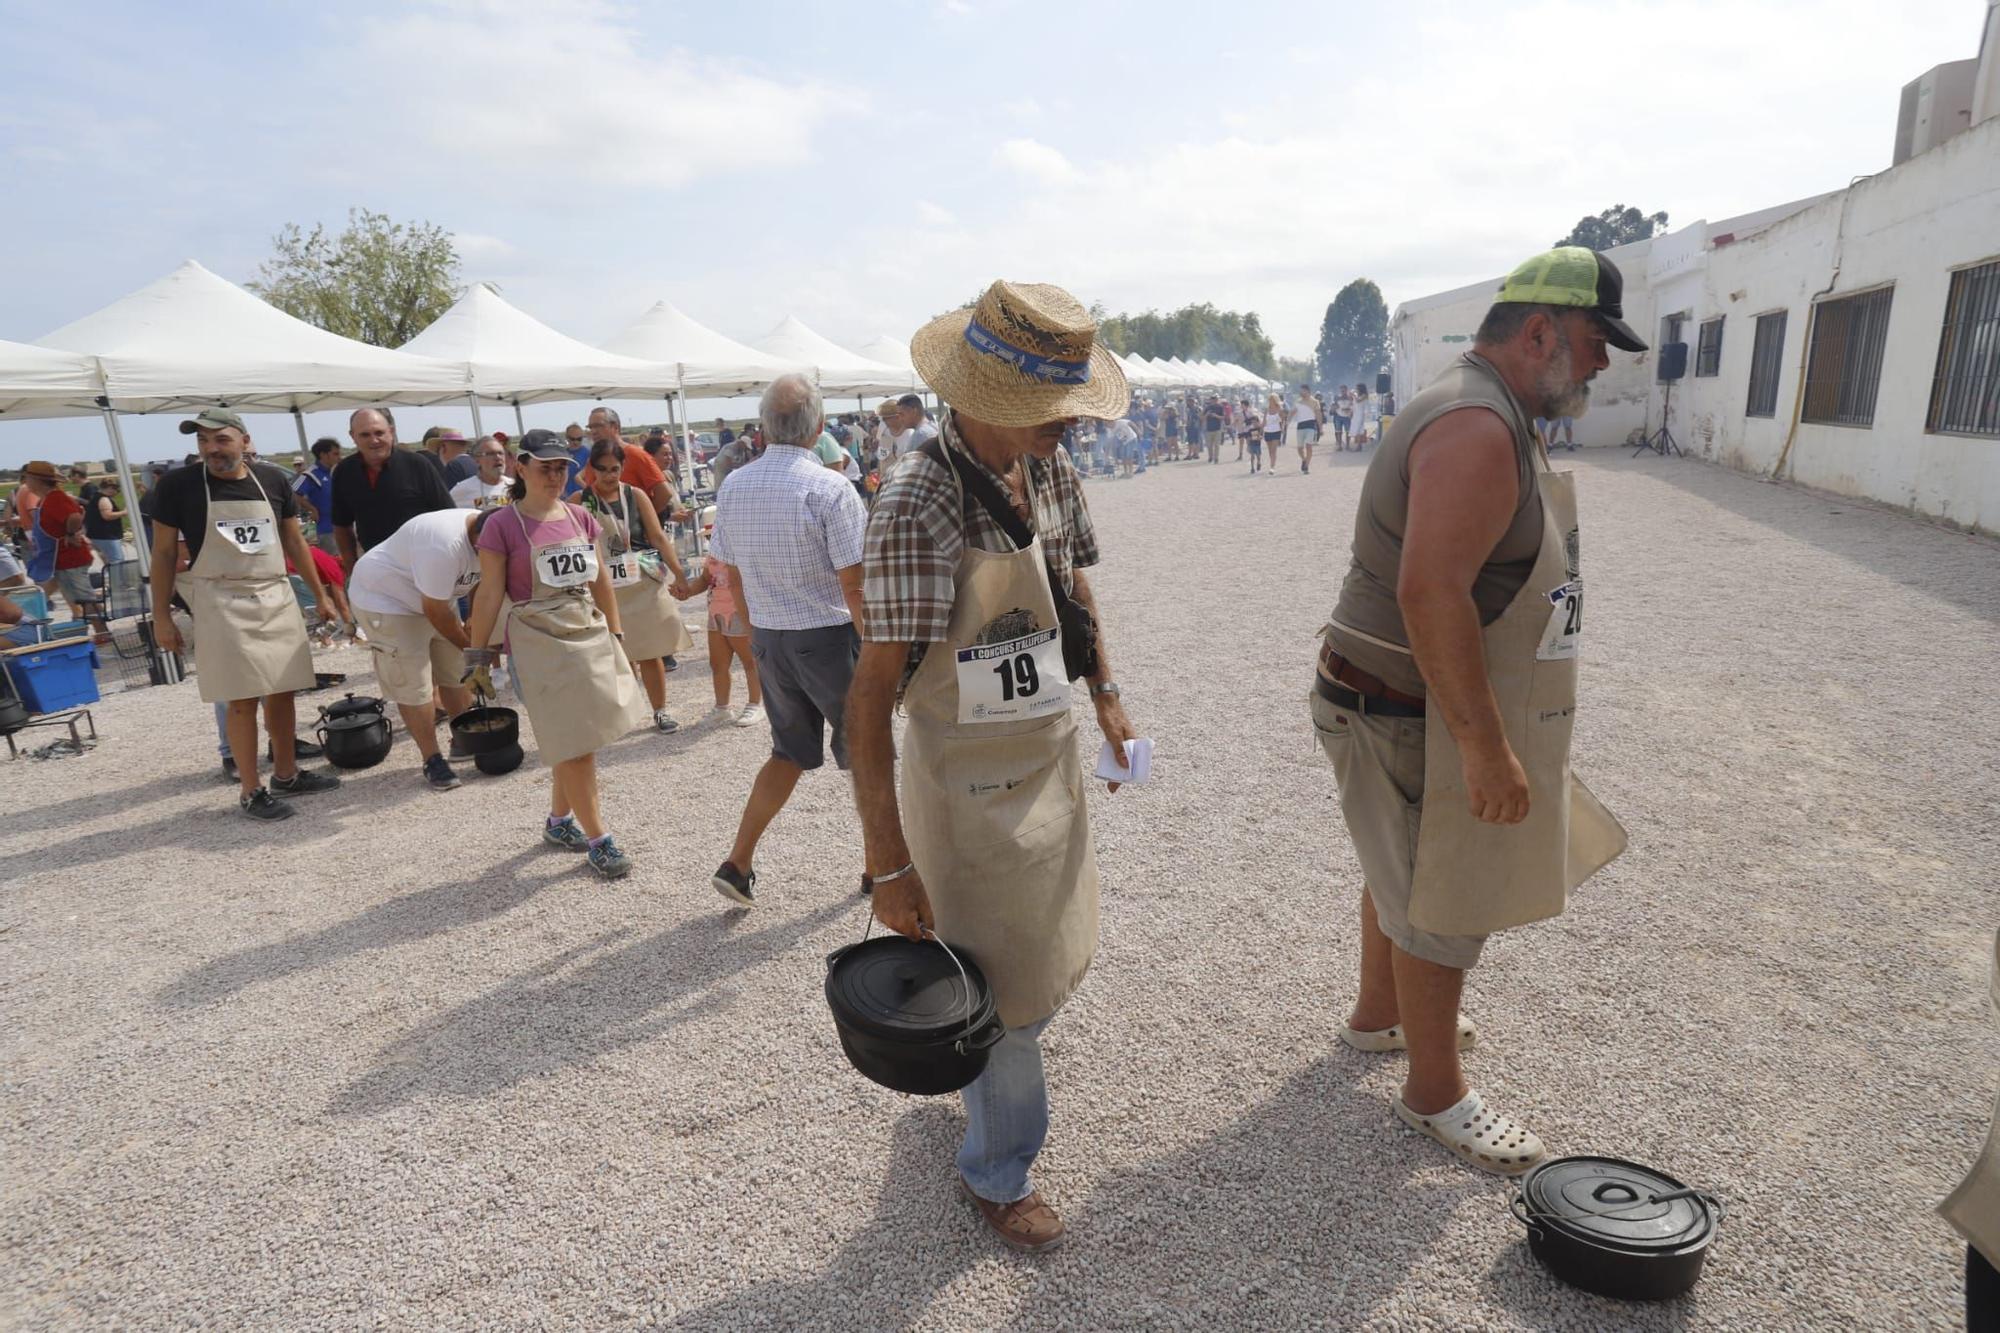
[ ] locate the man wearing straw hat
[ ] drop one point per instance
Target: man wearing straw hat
(978, 617)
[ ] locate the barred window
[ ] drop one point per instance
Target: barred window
(1965, 395)
(1708, 355)
(1767, 351)
(1844, 367)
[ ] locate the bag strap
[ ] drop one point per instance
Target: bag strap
(978, 487)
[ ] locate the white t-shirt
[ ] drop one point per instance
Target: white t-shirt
(429, 556)
(472, 493)
(1306, 410)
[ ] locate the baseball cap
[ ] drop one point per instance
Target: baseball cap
(539, 443)
(1571, 275)
(214, 418)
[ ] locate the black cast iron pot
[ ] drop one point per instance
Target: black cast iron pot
(915, 1017)
(355, 732)
(495, 763)
(13, 715)
(486, 730)
(1615, 1227)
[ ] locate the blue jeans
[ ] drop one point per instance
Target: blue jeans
(1006, 1117)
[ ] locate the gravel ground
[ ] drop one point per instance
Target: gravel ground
(416, 1071)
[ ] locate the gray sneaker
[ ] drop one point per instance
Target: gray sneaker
(260, 804)
(438, 773)
(304, 782)
(566, 835)
(664, 721)
(608, 861)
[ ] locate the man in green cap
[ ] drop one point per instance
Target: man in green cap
(240, 520)
(1446, 689)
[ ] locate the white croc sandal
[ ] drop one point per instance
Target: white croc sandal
(1484, 1138)
(1392, 1039)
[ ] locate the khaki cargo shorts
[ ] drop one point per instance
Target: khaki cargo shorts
(410, 656)
(1378, 763)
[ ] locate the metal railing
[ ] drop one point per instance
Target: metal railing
(1965, 392)
(1844, 367)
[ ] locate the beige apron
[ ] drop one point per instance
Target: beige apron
(647, 611)
(249, 633)
(994, 809)
(1974, 1207)
(574, 676)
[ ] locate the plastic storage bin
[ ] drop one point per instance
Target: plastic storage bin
(52, 677)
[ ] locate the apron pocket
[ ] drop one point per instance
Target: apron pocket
(991, 804)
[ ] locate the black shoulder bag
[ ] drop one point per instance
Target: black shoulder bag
(1079, 627)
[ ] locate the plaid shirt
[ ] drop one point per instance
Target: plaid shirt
(789, 523)
(918, 533)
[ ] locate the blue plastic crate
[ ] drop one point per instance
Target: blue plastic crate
(52, 677)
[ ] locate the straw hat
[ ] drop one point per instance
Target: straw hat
(1027, 354)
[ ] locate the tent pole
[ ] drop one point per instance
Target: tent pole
(520, 426)
(299, 420)
(472, 400)
(687, 451)
(127, 487)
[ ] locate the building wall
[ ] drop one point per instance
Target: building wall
(1910, 226)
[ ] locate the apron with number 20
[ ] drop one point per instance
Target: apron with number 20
(992, 790)
(575, 678)
(249, 634)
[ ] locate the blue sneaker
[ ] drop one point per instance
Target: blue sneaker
(566, 835)
(608, 861)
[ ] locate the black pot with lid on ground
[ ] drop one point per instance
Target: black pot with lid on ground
(914, 1016)
(13, 715)
(355, 732)
(497, 763)
(1615, 1227)
(486, 730)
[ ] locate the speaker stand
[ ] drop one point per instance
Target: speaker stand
(1662, 441)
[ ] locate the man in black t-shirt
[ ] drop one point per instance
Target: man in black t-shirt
(379, 487)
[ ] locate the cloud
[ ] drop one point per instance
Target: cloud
(933, 215)
(474, 248)
(567, 91)
(1037, 162)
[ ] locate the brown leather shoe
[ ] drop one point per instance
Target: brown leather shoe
(1027, 1224)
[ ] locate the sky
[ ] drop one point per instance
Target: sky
(869, 165)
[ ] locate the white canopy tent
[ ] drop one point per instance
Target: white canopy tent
(512, 357)
(837, 369)
(889, 352)
(1139, 373)
(192, 340)
(39, 382)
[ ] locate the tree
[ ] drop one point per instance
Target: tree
(1192, 333)
(1354, 335)
(1293, 370)
(380, 281)
(1616, 225)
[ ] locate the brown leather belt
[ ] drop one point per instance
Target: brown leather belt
(1333, 666)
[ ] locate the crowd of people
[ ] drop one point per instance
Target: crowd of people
(893, 562)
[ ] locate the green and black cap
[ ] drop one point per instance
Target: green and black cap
(1571, 275)
(539, 443)
(214, 418)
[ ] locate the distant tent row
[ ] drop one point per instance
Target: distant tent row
(1152, 373)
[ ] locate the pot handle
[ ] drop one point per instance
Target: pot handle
(1518, 1206)
(984, 1040)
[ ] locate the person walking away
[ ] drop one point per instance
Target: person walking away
(407, 592)
(972, 550)
(379, 487)
(1306, 425)
(314, 487)
(239, 521)
(544, 558)
(1446, 690)
(640, 559)
(788, 531)
(1276, 416)
(728, 637)
(489, 487)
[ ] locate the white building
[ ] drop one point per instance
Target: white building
(1850, 342)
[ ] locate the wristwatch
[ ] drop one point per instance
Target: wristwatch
(1106, 689)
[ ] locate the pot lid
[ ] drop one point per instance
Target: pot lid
(1617, 1204)
(897, 988)
(354, 721)
(354, 704)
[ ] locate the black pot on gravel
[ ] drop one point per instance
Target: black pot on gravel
(915, 1017)
(13, 715)
(1615, 1227)
(495, 763)
(486, 730)
(355, 732)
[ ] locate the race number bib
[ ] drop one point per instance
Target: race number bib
(1565, 623)
(569, 565)
(252, 536)
(1013, 681)
(624, 569)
